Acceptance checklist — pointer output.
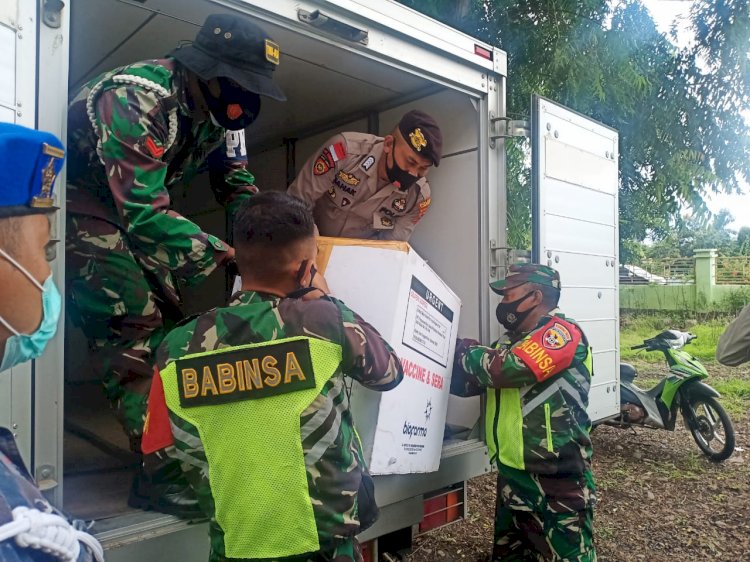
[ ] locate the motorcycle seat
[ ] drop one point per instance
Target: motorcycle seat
(627, 372)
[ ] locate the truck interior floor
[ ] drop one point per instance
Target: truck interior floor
(98, 465)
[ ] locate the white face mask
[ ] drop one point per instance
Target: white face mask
(24, 347)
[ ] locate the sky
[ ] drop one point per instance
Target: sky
(664, 13)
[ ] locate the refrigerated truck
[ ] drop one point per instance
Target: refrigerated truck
(346, 65)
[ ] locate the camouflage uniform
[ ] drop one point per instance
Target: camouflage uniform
(127, 250)
(339, 484)
(537, 430)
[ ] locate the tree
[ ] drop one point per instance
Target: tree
(678, 111)
(694, 233)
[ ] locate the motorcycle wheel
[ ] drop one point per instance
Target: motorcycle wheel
(711, 428)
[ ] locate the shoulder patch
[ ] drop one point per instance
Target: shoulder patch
(323, 163)
(422, 209)
(549, 349)
(367, 162)
(337, 151)
(245, 374)
(156, 150)
(556, 336)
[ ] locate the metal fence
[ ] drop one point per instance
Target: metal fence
(670, 271)
(733, 270)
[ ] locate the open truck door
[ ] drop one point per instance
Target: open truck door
(575, 230)
(31, 36)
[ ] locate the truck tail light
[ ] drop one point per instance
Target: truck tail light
(368, 551)
(482, 52)
(443, 507)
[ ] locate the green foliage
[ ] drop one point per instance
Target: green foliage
(691, 234)
(735, 301)
(519, 195)
(678, 111)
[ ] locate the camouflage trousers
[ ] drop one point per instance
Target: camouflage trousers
(346, 550)
(544, 518)
(118, 296)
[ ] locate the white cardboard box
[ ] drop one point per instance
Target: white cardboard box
(395, 290)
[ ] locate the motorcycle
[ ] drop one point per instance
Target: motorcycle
(682, 390)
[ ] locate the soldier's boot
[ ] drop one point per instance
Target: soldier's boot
(164, 490)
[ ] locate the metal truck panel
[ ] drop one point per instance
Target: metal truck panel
(575, 230)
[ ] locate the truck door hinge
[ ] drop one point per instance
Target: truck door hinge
(498, 259)
(46, 478)
(502, 256)
(506, 128)
(52, 13)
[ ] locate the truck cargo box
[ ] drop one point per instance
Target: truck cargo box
(394, 289)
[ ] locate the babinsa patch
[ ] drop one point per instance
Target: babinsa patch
(245, 374)
(349, 179)
(556, 337)
(545, 361)
(386, 222)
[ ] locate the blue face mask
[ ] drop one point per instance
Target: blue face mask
(24, 347)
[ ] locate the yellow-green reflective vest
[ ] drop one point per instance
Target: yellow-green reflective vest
(253, 446)
(503, 419)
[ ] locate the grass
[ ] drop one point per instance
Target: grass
(732, 384)
(735, 396)
(634, 330)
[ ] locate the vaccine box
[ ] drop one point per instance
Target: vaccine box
(393, 289)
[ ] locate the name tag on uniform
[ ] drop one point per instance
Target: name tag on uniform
(246, 374)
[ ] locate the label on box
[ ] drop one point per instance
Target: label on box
(427, 329)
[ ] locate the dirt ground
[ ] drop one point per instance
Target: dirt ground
(659, 498)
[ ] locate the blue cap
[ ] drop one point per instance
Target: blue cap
(30, 161)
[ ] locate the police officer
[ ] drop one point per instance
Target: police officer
(257, 397)
(537, 429)
(134, 133)
(364, 186)
(29, 312)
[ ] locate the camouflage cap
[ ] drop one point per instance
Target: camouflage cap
(520, 273)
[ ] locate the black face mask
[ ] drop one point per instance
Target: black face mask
(398, 177)
(508, 315)
(235, 108)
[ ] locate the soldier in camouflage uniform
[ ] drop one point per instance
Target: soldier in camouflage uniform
(537, 429)
(134, 133)
(282, 298)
